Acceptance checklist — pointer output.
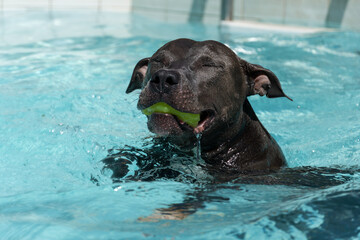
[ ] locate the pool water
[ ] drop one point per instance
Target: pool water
(63, 108)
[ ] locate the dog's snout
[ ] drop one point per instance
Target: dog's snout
(163, 80)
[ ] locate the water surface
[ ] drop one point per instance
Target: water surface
(63, 107)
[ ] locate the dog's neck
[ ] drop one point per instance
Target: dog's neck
(250, 141)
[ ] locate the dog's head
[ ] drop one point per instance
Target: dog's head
(205, 78)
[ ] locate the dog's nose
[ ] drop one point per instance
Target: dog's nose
(163, 80)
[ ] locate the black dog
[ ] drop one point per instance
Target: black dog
(208, 78)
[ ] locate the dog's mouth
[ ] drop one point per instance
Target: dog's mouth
(162, 112)
(206, 118)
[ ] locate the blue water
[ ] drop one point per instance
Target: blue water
(62, 108)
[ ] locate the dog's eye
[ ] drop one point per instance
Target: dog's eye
(212, 65)
(159, 61)
(156, 60)
(209, 64)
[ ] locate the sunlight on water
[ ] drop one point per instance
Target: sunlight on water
(64, 109)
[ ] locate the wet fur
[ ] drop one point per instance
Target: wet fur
(208, 78)
(195, 77)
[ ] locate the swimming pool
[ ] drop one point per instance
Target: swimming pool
(63, 106)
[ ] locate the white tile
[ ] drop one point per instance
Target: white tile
(180, 6)
(75, 4)
(211, 19)
(147, 4)
(306, 12)
(264, 10)
(351, 18)
(116, 5)
(213, 7)
(177, 17)
(23, 4)
(238, 12)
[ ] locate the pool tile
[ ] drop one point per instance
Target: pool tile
(264, 10)
(78, 4)
(351, 18)
(306, 12)
(25, 5)
(113, 5)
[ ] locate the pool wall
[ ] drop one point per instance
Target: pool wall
(341, 14)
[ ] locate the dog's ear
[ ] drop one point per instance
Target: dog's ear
(138, 75)
(262, 81)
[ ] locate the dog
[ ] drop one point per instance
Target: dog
(209, 79)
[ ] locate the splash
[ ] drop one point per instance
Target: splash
(198, 146)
